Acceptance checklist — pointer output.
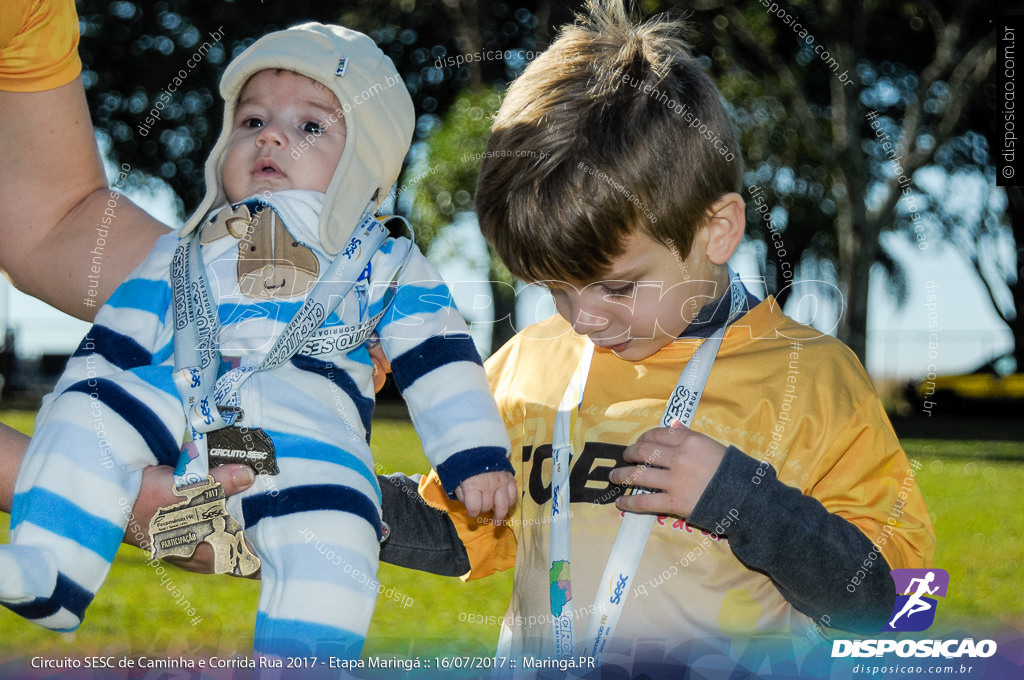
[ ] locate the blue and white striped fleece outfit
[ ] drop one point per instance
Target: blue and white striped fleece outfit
(115, 411)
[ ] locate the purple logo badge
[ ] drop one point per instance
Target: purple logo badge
(916, 590)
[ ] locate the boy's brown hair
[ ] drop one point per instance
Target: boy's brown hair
(595, 140)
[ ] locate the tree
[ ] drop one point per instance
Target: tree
(133, 51)
(824, 166)
(811, 140)
(991, 237)
(989, 233)
(446, 186)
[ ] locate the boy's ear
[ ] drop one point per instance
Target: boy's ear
(727, 220)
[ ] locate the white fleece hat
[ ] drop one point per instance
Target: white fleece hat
(379, 119)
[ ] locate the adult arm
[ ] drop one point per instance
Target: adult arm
(12, 449)
(54, 193)
(156, 485)
(421, 537)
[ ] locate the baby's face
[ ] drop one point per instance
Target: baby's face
(288, 133)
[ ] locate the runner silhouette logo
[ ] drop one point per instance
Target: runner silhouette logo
(916, 590)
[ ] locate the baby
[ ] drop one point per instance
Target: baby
(243, 338)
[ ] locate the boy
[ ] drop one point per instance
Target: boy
(303, 160)
(775, 509)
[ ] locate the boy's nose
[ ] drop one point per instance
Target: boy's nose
(585, 320)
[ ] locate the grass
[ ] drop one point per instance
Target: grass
(973, 490)
(135, 614)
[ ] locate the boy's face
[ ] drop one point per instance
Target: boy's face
(646, 301)
(278, 112)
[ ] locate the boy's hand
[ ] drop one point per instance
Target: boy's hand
(677, 462)
(488, 491)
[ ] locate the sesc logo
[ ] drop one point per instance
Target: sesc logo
(915, 610)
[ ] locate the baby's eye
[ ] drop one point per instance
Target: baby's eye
(618, 288)
(252, 122)
(313, 128)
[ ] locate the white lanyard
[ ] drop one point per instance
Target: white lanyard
(196, 332)
(635, 528)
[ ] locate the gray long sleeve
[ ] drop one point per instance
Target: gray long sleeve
(807, 551)
(421, 537)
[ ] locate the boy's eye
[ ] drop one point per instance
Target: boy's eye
(312, 128)
(621, 288)
(252, 122)
(557, 293)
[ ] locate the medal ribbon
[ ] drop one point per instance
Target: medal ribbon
(635, 528)
(197, 330)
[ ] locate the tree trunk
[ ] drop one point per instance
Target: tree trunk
(857, 235)
(857, 295)
(1015, 196)
(465, 18)
(504, 298)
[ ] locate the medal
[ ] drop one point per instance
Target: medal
(177, 530)
(239, 444)
(210, 401)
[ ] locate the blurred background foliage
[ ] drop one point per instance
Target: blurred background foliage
(132, 51)
(926, 67)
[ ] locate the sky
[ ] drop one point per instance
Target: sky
(970, 333)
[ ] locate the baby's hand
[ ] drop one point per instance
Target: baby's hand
(488, 491)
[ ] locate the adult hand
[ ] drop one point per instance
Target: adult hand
(156, 492)
(157, 482)
(381, 365)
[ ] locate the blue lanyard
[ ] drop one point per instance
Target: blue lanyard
(635, 528)
(197, 330)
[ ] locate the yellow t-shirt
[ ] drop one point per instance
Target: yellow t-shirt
(38, 44)
(810, 412)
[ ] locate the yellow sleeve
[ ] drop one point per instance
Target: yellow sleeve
(38, 44)
(879, 494)
(491, 548)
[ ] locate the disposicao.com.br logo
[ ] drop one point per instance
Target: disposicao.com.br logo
(914, 611)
